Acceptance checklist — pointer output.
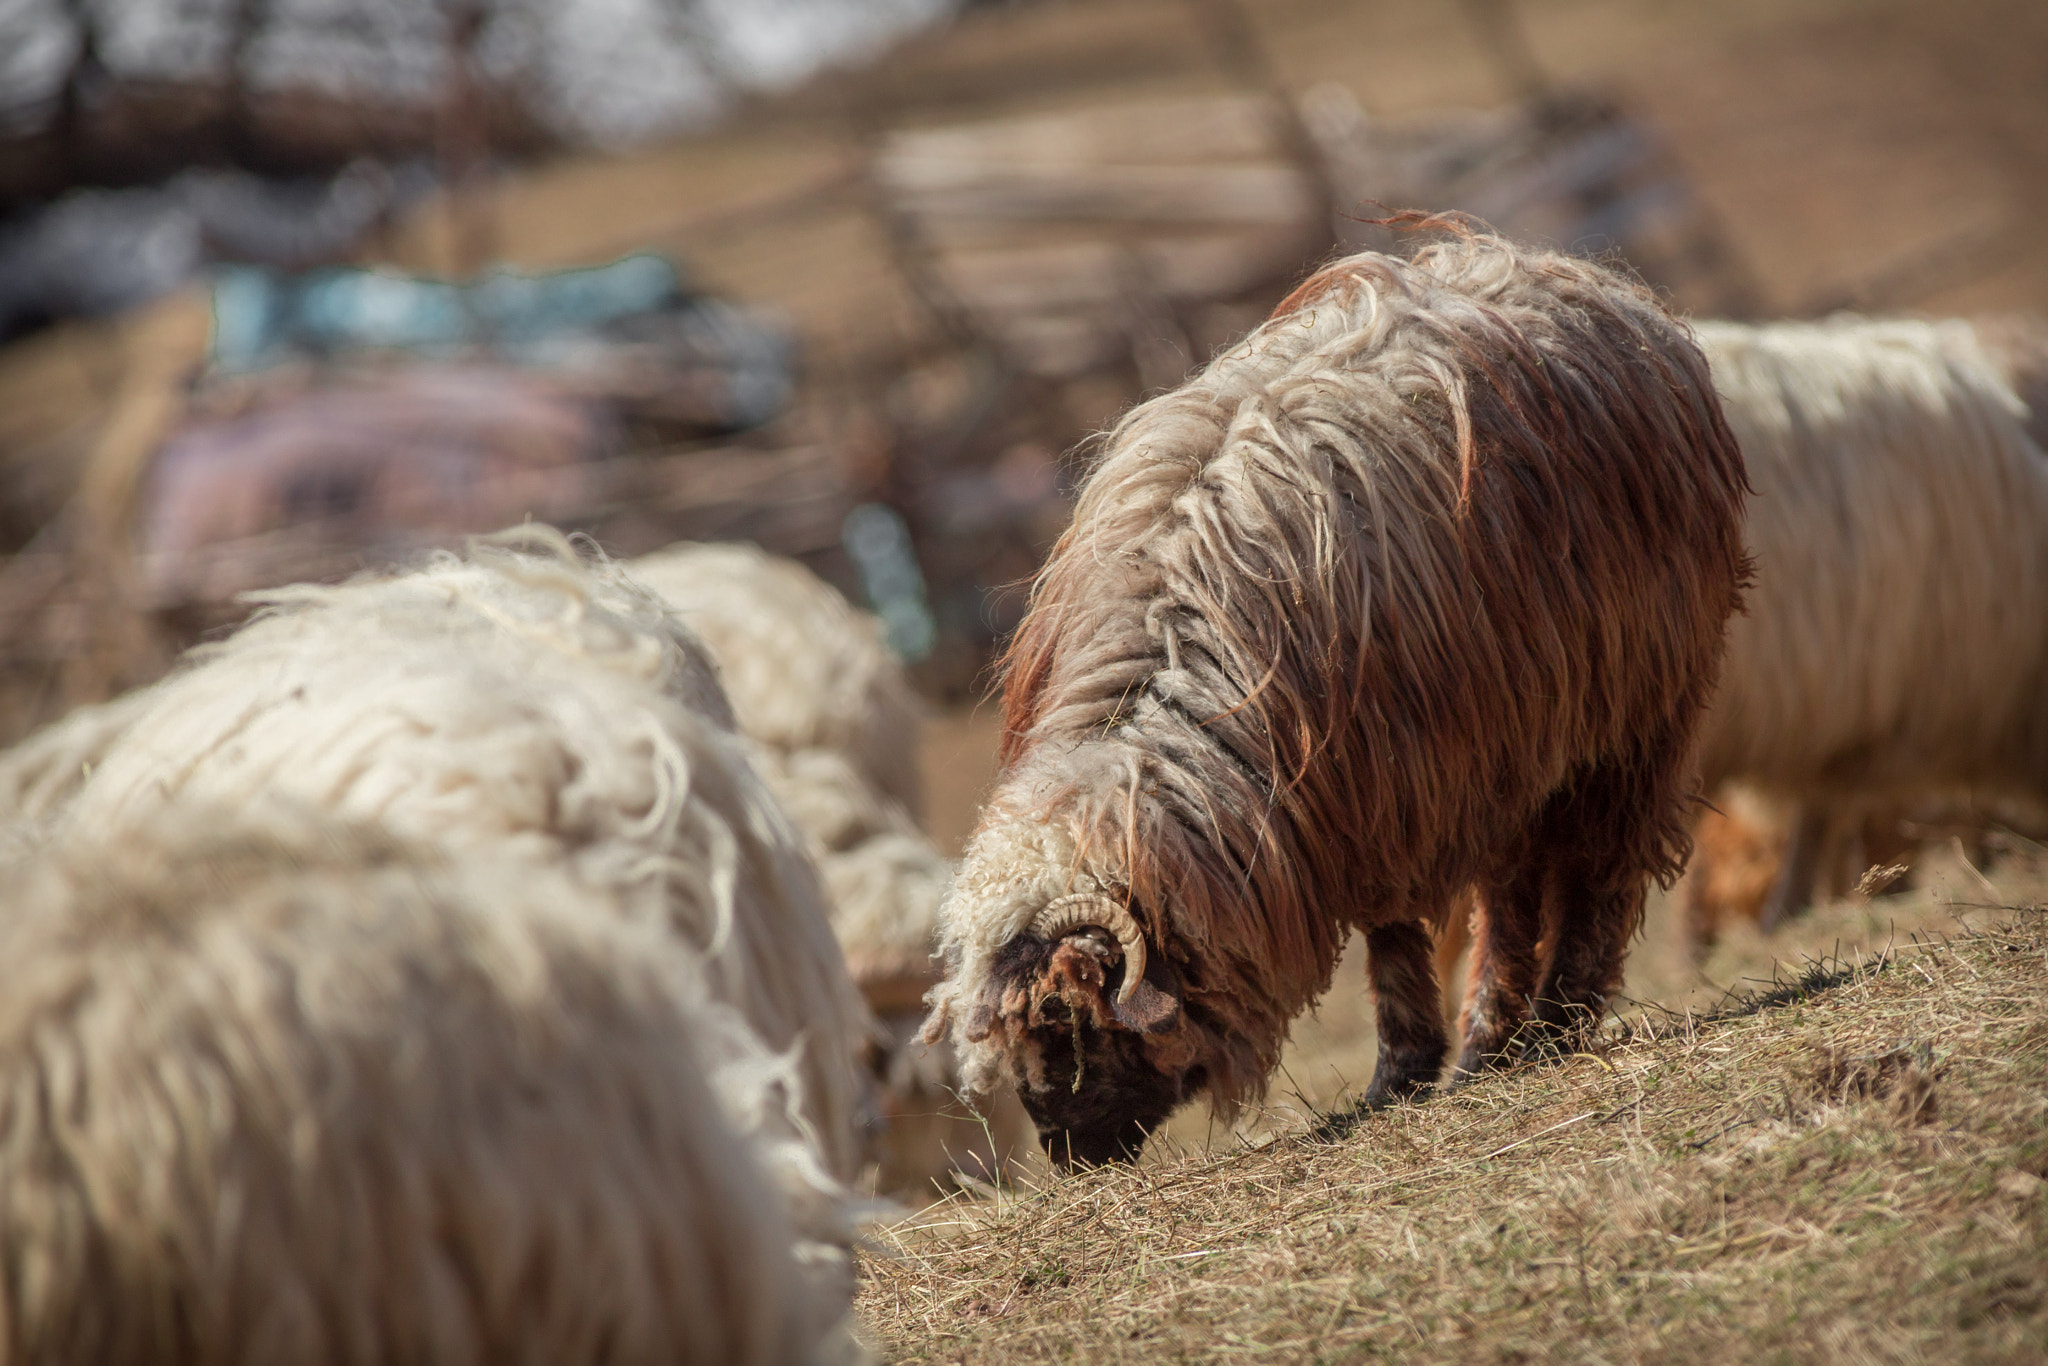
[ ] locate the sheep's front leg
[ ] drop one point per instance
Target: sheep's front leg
(1401, 961)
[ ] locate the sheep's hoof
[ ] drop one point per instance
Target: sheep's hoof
(1339, 1124)
(1543, 1041)
(1478, 1058)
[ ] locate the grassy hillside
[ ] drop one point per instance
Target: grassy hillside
(1851, 1164)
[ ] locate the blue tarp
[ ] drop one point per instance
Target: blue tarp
(634, 310)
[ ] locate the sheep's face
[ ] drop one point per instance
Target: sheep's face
(1044, 947)
(1098, 1070)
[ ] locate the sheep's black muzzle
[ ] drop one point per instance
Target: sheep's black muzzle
(1070, 1148)
(1101, 1105)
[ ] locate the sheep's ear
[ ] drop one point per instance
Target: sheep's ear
(1154, 1008)
(981, 1022)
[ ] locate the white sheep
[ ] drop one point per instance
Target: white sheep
(1896, 638)
(279, 1087)
(44, 771)
(805, 668)
(835, 727)
(518, 706)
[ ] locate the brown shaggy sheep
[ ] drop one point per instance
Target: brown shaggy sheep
(1420, 588)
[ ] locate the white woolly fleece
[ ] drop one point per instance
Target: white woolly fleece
(511, 706)
(1896, 637)
(883, 877)
(833, 725)
(282, 1088)
(805, 669)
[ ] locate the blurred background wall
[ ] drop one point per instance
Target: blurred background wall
(294, 287)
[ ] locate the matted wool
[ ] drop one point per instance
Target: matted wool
(275, 1087)
(524, 706)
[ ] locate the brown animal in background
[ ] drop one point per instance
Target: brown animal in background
(1421, 587)
(1735, 862)
(1747, 853)
(1744, 846)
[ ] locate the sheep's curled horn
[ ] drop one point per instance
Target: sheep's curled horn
(1092, 911)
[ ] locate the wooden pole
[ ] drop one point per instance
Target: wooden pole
(463, 149)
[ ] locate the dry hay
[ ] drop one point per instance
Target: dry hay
(1851, 1163)
(1330, 1055)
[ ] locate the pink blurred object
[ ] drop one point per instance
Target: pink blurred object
(356, 472)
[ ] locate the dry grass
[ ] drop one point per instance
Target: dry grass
(1330, 1057)
(1848, 1164)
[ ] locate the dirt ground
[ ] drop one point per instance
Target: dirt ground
(1866, 153)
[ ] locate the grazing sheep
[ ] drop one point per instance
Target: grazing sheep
(834, 726)
(1423, 586)
(1896, 641)
(275, 1087)
(522, 706)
